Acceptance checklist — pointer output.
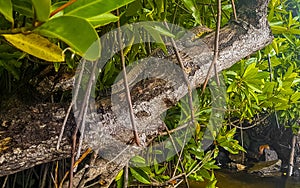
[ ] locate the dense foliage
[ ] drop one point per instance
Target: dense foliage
(266, 82)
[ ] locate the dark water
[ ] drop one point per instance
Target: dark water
(227, 179)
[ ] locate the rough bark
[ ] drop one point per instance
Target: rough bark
(22, 145)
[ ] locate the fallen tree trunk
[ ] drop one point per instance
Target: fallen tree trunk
(30, 133)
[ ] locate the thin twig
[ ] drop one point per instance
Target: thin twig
(81, 120)
(23, 30)
(128, 96)
(216, 50)
(233, 10)
(62, 7)
(249, 127)
(64, 125)
(125, 185)
(242, 143)
(190, 97)
(271, 76)
(117, 156)
(200, 164)
(292, 154)
(179, 156)
(5, 180)
(73, 102)
(84, 155)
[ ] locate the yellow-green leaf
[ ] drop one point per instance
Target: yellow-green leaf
(36, 45)
(119, 176)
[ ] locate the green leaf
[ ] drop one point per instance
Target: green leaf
(36, 45)
(161, 170)
(278, 29)
(92, 8)
(140, 175)
(6, 9)
(23, 7)
(163, 31)
(42, 9)
(119, 176)
(275, 46)
(12, 67)
(66, 29)
(250, 71)
(133, 8)
(102, 19)
(155, 34)
(204, 173)
(56, 6)
(231, 133)
(138, 160)
(295, 97)
(294, 31)
(254, 87)
(190, 4)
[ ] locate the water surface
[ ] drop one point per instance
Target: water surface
(229, 179)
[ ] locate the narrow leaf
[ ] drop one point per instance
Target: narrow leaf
(140, 175)
(36, 45)
(66, 28)
(119, 176)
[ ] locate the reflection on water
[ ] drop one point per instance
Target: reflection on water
(227, 179)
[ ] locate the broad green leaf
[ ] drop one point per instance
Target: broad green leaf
(92, 8)
(36, 45)
(133, 8)
(138, 160)
(42, 9)
(140, 175)
(295, 97)
(84, 41)
(102, 19)
(23, 7)
(250, 71)
(6, 9)
(204, 173)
